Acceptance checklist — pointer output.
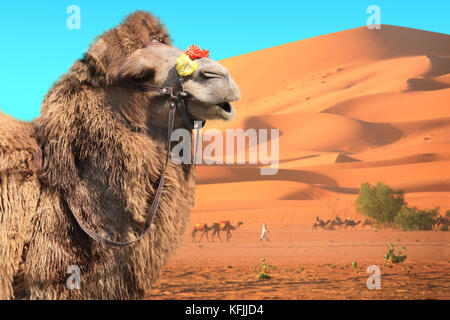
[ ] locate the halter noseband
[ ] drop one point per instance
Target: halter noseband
(177, 97)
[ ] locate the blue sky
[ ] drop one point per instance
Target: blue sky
(37, 47)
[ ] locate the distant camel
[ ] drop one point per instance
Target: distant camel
(203, 228)
(337, 222)
(440, 221)
(225, 226)
(352, 224)
(437, 223)
(366, 222)
(320, 223)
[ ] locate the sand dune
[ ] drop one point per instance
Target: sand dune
(353, 106)
(329, 53)
(409, 106)
(319, 72)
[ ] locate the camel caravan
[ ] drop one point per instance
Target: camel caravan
(338, 224)
(441, 223)
(216, 228)
(89, 185)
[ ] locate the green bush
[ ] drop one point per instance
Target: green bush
(380, 202)
(415, 219)
(391, 257)
(263, 275)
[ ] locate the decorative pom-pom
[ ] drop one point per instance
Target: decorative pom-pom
(185, 66)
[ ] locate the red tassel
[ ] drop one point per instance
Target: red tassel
(194, 52)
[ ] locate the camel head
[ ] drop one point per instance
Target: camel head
(138, 53)
(210, 88)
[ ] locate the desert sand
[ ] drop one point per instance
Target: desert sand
(354, 106)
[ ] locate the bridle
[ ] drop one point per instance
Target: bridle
(177, 102)
(177, 96)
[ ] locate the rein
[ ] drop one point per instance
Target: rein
(177, 103)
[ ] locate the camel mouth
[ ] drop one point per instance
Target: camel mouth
(206, 111)
(225, 106)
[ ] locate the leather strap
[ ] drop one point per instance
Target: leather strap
(159, 89)
(155, 203)
(181, 106)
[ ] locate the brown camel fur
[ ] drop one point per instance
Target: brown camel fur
(99, 147)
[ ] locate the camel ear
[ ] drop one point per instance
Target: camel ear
(97, 52)
(121, 45)
(136, 68)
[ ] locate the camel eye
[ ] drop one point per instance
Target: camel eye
(209, 74)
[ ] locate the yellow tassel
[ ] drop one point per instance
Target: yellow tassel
(186, 66)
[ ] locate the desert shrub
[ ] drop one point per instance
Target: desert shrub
(415, 219)
(447, 213)
(263, 274)
(380, 202)
(391, 257)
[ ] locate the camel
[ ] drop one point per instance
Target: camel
(225, 226)
(320, 223)
(366, 222)
(337, 222)
(97, 152)
(203, 228)
(444, 221)
(352, 224)
(437, 223)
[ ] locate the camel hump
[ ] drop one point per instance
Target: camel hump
(199, 226)
(223, 223)
(19, 149)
